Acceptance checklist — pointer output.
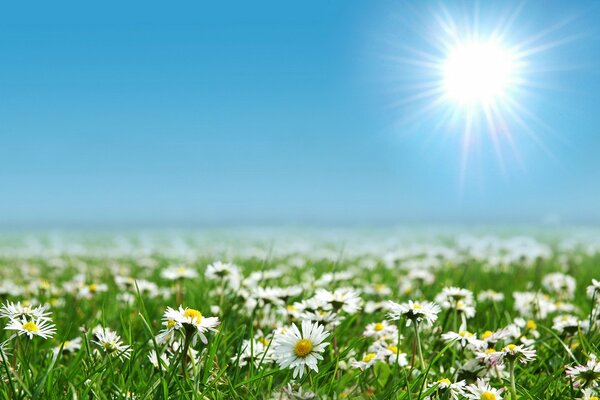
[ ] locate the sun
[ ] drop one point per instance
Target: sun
(478, 72)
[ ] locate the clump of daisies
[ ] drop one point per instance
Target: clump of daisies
(28, 321)
(300, 349)
(414, 313)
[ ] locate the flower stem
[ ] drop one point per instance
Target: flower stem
(513, 389)
(418, 339)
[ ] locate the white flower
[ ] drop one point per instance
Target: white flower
(445, 385)
(345, 299)
(17, 311)
(593, 291)
(490, 295)
(111, 343)
(367, 361)
(230, 273)
(414, 311)
(69, 346)
(513, 352)
(560, 284)
(380, 329)
(297, 350)
(465, 338)
(155, 360)
(174, 273)
(188, 320)
(585, 375)
(482, 391)
(41, 327)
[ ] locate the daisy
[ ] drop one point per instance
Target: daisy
(226, 272)
(453, 389)
(17, 310)
(593, 291)
(41, 327)
(490, 295)
(344, 299)
(380, 329)
(413, 311)
(513, 352)
(69, 346)
(585, 375)
(190, 322)
(297, 350)
(464, 338)
(155, 360)
(367, 361)
(482, 391)
(175, 273)
(111, 343)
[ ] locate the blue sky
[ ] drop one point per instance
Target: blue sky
(278, 112)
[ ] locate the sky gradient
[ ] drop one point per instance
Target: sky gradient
(275, 112)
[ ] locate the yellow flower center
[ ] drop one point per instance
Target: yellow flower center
(445, 381)
(368, 357)
(291, 308)
(490, 351)
(195, 315)
(181, 270)
(379, 326)
(531, 325)
(487, 334)
(264, 341)
(417, 306)
(393, 349)
(465, 334)
(31, 327)
(488, 396)
(594, 398)
(460, 304)
(92, 287)
(511, 347)
(303, 347)
(170, 323)
(66, 343)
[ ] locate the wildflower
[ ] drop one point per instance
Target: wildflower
(464, 338)
(18, 311)
(41, 327)
(586, 375)
(593, 290)
(111, 343)
(69, 346)
(414, 312)
(445, 387)
(190, 322)
(175, 273)
(367, 361)
(299, 349)
(481, 390)
(344, 299)
(490, 295)
(154, 359)
(380, 329)
(226, 272)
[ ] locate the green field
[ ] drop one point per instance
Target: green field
(86, 316)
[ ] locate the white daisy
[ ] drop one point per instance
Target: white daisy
(297, 350)
(189, 321)
(111, 343)
(174, 273)
(41, 327)
(414, 311)
(482, 391)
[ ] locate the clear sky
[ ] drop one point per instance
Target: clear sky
(285, 112)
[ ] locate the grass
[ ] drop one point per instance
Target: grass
(41, 368)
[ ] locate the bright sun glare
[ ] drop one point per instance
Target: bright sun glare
(478, 72)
